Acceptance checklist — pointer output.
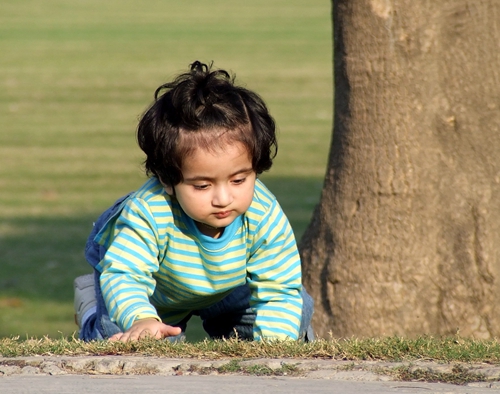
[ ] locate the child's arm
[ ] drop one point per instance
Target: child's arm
(127, 268)
(274, 276)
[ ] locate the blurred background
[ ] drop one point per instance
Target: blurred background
(75, 77)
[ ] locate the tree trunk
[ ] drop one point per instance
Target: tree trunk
(406, 237)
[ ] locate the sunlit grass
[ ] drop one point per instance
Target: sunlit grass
(26, 315)
(449, 349)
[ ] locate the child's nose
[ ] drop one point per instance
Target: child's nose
(222, 197)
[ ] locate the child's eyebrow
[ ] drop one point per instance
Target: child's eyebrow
(207, 178)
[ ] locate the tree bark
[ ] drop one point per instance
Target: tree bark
(405, 239)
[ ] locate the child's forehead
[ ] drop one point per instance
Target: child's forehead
(220, 149)
(229, 159)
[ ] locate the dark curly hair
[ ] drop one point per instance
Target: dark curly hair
(203, 108)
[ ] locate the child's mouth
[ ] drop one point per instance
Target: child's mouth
(222, 215)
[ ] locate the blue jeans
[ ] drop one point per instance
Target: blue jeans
(226, 318)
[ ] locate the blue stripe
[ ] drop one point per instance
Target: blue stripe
(284, 262)
(242, 247)
(183, 252)
(143, 243)
(204, 267)
(278, 320)
(277, 330)
(212, 258)
(174, 290)
(270, 255)
(142, 301)
(111, 256)
(292, 279)
(281, 310)
(142, 209)
(158, 214)
(204, 278)
(191, 287)
(253, 222)
(180, 240)
(297, 302)
(125, 223)
(255, 211)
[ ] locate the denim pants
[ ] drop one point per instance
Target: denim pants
(224, 319)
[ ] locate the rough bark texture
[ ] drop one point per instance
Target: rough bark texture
(405, 240)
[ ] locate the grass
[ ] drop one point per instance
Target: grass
(234, 366)
(449, 349)
(459, 375)
(75, 78)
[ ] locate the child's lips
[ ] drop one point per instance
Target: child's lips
(222, 214)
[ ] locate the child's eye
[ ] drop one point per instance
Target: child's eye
(239, 181)
(200, 187)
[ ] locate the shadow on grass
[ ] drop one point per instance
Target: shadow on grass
(40, 257)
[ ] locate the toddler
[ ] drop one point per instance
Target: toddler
(203, 235)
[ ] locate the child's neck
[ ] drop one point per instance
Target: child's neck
(210, 231)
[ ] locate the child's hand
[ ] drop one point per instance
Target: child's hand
(145, 328)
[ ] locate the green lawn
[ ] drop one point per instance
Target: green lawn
(75, 78)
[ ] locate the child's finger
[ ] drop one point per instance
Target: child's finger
(116, 337)
(169, 331)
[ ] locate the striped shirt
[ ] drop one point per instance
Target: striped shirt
(159, 265)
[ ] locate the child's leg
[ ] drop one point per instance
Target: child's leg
(233, 313)
(97, 325)
(85, 301)
(306, 331)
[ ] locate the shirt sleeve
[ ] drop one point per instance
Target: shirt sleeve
(127, 268)
(275, 278)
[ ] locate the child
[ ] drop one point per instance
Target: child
(203, 236)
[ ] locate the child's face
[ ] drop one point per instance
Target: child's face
(218, 186)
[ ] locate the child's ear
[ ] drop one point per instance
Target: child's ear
(169, 190)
